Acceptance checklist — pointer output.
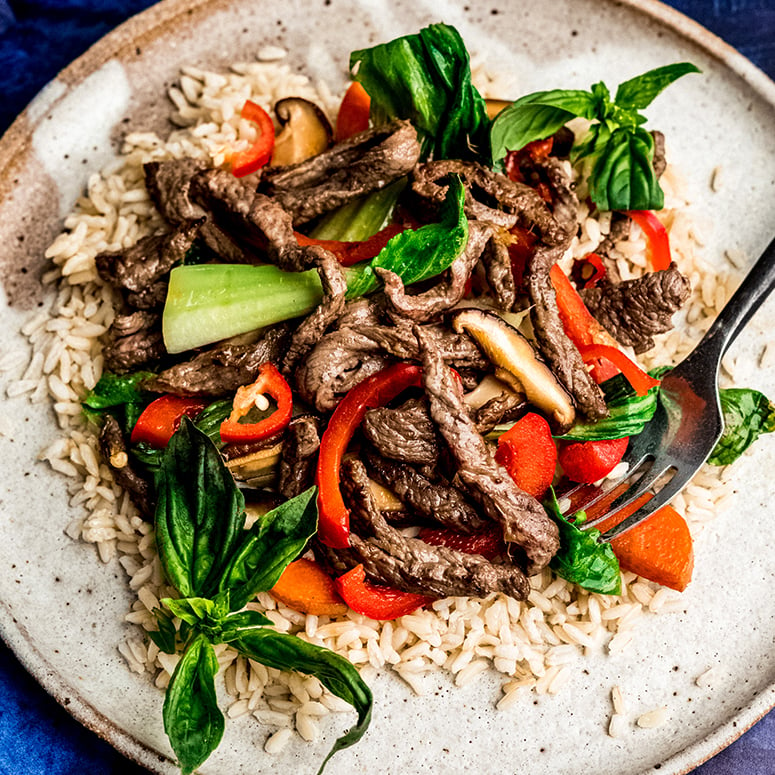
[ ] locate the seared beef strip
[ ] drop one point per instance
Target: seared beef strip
(135, 340)
(500, 275)
(366, 162)
(346, 356)
(524, 520)
(503, 408)
(490, 197)
(152, 297)
(148, 260)
(634, 311)
(412, 565)
(422, 307)
(433, 501)
(220, 370)
(561, 354)
(406, 433)
(114, 452)
(297, 461)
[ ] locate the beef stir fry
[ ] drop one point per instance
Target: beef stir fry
(472, 371)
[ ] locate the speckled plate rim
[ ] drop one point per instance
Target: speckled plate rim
(149, 25)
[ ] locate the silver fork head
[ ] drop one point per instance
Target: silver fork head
(672, 447)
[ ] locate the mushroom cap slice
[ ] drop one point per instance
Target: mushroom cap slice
(305, 132)
(513, 356)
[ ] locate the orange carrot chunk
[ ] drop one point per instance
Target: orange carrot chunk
(306, 587)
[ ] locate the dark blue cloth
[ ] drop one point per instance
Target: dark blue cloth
(37, 39)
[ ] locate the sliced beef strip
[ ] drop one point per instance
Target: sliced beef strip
(490, 197)
(421, 307)
(634, 311)
(135, 339)
(221, 369)
(114, 451)
(431, 500)
(507, 406)
(152, 297)
(561, 354)
(412, 565)
(169, 186)
(366, 162)
(524, 521)
(346, 356)
(405, 433)
(660, 160)
(499, 273)
(297, 461)
(310, 331)
(148, 260)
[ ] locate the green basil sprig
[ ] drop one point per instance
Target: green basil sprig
(217, 567)
(747, 415)
(619, 150)
(582, 559)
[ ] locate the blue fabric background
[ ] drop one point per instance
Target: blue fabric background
(37, 39)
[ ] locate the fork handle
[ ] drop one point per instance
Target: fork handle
(754, 289)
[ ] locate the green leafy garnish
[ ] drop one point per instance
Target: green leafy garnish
(120, 394)
(619, 151)
(217, 567)
(582, 559)
(426, 78)
(747, 415)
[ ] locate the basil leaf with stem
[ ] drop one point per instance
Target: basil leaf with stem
(274, 540)
(639, 92)
(747, 415)
(200, 513)
(287, 652)
(192, 720)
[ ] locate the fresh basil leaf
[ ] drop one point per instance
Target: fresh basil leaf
(265, 550)
(191, 610)
(166, 636)
(199, 513)
(639, 92)
(747, 415)
(233, 625)
(582, 559)
(623, 176)
(426, 78)
(287, 652)
(419, 254)
(192, 720)
(628, 413)
(210, 418)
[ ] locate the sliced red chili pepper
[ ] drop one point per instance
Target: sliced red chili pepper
(527, 451)
(353, 115)
(374, 391)
(588, 271)
(657, 240)
(487, 542)
(536, 152)
(376, 602)
(270, 382)
(349, 253)
(259, 154)
(641, 381)
(161, 418)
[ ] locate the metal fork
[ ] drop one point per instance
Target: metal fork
(688, 421)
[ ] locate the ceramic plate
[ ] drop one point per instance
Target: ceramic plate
(62, 609)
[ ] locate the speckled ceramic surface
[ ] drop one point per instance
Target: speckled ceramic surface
(61, 610)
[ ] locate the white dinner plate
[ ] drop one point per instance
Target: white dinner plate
(62, 610)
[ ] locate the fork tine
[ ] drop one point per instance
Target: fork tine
(664, 496)
(640, 486)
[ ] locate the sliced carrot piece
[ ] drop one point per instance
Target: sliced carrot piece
(306, 587)
(659, 549)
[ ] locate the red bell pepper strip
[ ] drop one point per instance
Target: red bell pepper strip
(269, 381)
(374, 391)
(487, 542)
(527, 451)
(589, 461)
(161, 418)
(353, 115)
(657, 241)
(349, 253)
(641, 381)
(259, 154)
(374, 601)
